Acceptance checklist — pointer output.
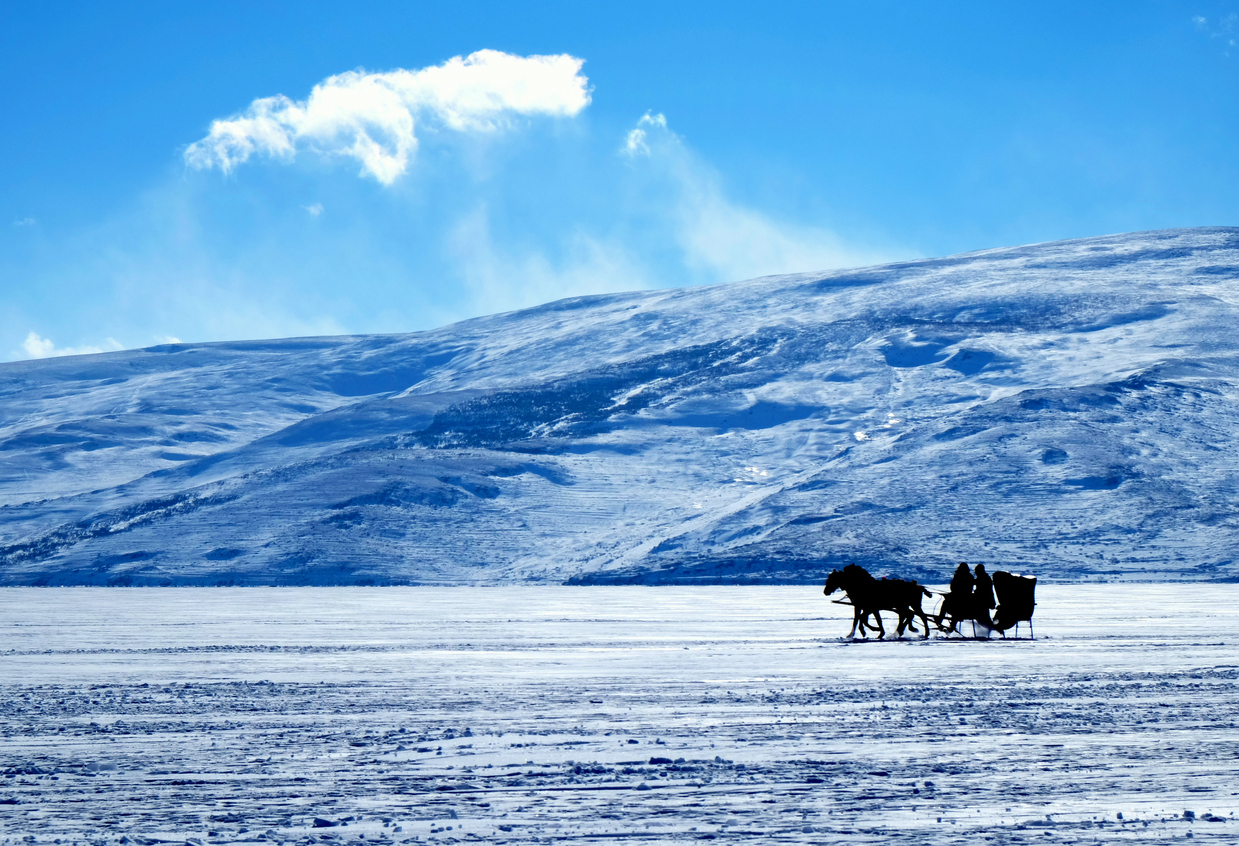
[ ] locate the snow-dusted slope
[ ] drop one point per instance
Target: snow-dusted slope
(1067, 409)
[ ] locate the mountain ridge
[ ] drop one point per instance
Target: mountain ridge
(1062, 408)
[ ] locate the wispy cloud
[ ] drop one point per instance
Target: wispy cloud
(315, 209)
(503, 278)
(371, 117)
(674, 225)
(1222, 29)
(720, 238)
(38, 347)
(25, 221)
(634, 141)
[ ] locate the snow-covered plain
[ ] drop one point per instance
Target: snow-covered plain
(1068, 409)
(558, 714)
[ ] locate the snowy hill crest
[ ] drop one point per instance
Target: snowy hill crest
(1064, 408)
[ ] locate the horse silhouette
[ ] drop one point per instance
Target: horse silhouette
(870, 596)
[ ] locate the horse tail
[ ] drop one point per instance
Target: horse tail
(925, 590)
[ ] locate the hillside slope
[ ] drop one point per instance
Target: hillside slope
(1066, 409)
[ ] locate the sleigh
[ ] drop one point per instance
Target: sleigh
(1016, 601)
(1016, 597)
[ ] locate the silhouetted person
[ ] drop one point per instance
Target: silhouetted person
(960, 595)
(962, 582)
(983, 597)
(984, 590)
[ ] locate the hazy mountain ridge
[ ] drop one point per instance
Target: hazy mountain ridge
(1064, 408)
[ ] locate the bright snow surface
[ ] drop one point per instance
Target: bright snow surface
(557, 714)
(1067, 409)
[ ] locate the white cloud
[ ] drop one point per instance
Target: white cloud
(634, 142)
(315, 210)
(37, 347)
(724, 240)
(168, 339)
(25, 221)
(371, 116)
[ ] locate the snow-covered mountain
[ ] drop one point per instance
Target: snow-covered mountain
(1067, 409)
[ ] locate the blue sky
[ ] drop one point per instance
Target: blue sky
(691, 143)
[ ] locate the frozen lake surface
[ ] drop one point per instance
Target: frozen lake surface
(548, 714)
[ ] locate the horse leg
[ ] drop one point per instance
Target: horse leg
(870, 616)
(858, 622)
(906, 621)
(865, 615)
(855, 622)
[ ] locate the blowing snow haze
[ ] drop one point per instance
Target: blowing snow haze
(1065, 408)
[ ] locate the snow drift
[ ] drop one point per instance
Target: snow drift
(1066, 409)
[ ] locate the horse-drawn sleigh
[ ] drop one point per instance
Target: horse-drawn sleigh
(870, 596)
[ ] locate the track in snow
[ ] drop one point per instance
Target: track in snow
(538, 714)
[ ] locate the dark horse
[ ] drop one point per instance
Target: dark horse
(869, 596)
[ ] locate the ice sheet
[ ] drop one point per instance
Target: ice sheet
(529, 714)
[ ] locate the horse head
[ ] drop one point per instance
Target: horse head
(834, 582)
